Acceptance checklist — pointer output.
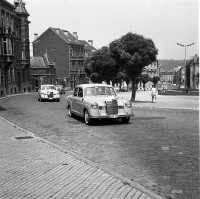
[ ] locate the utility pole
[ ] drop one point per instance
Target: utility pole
(182, 45)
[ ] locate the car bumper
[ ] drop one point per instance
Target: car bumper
(114, 116)
(54, 97)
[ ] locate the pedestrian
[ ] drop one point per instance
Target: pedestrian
(153, 93)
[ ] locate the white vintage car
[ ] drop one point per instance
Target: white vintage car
(97, 101)
(48, 92)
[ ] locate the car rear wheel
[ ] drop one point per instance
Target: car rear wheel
(125, 120)
(87, 118)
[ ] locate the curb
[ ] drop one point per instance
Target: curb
(112, 173)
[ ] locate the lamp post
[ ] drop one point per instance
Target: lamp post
(182, 45)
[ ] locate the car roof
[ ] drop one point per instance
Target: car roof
(93, 85)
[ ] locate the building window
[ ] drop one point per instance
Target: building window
(7, 46)
(2, 21)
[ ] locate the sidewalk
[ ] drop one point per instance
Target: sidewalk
(31, 167)
(143, 99)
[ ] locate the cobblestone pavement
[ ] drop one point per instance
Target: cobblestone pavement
(167, 164)
(31, 167)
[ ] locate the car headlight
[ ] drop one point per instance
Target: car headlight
(94, 105)
(128, 104)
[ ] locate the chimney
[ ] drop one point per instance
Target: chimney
(75, 35)
(90, 42)
(57, 30)
(35, 36)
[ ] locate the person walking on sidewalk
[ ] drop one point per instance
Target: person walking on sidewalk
(153, 93)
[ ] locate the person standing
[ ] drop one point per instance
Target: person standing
(153, 93)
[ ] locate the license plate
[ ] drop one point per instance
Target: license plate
(113, 116)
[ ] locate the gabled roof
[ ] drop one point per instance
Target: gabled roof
(67, 36)
(44, 61)
(87, 46)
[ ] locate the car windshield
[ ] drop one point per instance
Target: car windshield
(99, 90)
(48, 87)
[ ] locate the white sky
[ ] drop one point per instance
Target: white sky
(166, 22)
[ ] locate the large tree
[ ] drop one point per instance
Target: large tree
(101, 66)
(133, 52)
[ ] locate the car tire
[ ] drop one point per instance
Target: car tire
(70, 111)
(58, 100)
(87, 118)
(125, 120)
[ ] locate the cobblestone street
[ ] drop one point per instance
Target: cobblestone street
(157, 150)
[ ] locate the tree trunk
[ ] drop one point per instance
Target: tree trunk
(144, 86)
(134, 88)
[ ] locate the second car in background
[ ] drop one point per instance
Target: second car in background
(60, 89)
(48, 92)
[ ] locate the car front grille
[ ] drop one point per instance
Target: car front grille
(112, 107)
(50, 95)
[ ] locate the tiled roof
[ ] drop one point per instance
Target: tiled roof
(37, 62)
(42, 62)
(67, 36)
(87, 46)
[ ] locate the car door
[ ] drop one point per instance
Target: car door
(74, 100)
(79, 101)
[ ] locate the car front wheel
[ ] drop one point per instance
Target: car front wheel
(70, 111)
(87, 118)
(125, 120)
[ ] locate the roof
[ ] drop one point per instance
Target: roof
(42, 62)
(87, 46)
(167, 73)
(67, 36)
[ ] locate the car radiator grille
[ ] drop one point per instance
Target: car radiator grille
(50, 95)
(112, 107)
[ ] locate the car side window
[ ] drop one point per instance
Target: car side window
(76, 92)
(80, 92)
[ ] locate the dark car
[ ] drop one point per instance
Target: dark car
(60, 89)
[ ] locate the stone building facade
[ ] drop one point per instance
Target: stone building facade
(14, 48)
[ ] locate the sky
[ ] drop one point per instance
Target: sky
(166, 22)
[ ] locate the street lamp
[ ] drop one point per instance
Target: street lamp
(182, 45)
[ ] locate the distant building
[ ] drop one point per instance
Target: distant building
(193, 64)
(152, 70)
(167, 77)
(42, 71)
(14, 48)
(67, 52)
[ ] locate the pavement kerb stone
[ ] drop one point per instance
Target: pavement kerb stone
(114, 174)
(161, 107)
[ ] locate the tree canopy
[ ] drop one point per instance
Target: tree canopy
(133, 52)
(101, 66)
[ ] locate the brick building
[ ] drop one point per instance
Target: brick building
(67, 52)
(14, 48)
(42, 71)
